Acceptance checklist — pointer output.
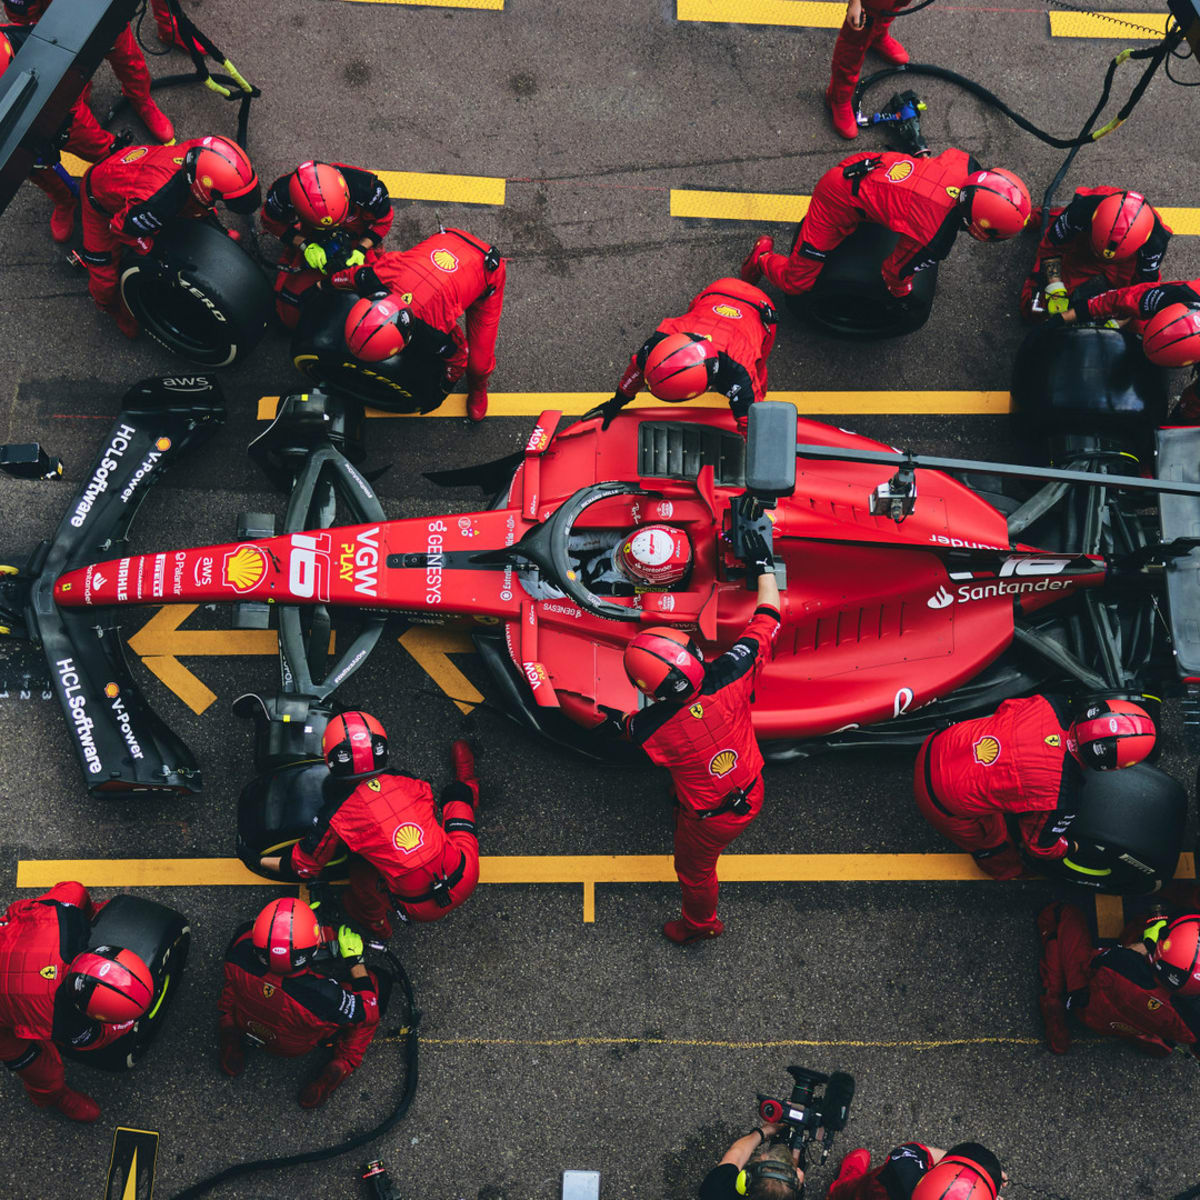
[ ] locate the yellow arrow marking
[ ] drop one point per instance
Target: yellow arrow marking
(432, 647)
(129, 1192)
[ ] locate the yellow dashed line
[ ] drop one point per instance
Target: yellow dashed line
(450, 189)
(739, 206)
(815, 14)
(1183, 221)
(714, 1044)
(1150, 26)
(491, 5)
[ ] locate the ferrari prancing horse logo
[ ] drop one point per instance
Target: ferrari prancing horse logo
(50, 972)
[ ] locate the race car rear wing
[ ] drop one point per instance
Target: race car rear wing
(123, 746)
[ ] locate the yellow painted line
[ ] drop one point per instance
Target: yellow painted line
(811, 13)
(573, 404)
(490, 5)
(1110, 916)
(432, 647)
(714, 1044)
(781, 207)
(1183, 221)
(1149, 26)
(450, 189)
(137, 872)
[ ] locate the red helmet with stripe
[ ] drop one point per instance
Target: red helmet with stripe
(320, 195)
(110, 984)
(1111, 734)
(664, 663)
(677, 367)
(998, 205)
(378, 329)
(286, 935)
(1172, 336)
(654, 556)
(354, 745)
(1175, 955)
(219, 169)
(1121, 225)
(969, 1171)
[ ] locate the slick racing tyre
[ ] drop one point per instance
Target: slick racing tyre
(849, 299)
(275, 811)
(160, 936)
(405, 382)
(1129, 832)
(199, 294)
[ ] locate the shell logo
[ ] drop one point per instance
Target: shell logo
(727, 310)
(163, 444)
(444, 261)
(899, 171)
(721, 764)
(986, 750)
(134, 155)
(245, 568)
(409, 837)
(111, 691)
(206, 180)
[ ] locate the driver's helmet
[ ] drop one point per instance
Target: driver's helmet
(1111, 734)
(997, 203)
(969, 1171)
(1173, 948)
(654, 556)
(286, 935)
(1172, 336)
(110, 984)
(1121, 226)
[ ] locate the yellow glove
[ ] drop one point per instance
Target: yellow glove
(349, 943)
(1057, 300)
(314, 255)
(355, 258)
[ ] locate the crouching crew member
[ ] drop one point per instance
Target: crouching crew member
(721, 344)
(757, 1167)
(1001, 785)
(912, 1171)
(273, 997)
(55, 992)
(407, 857)
(927, 201)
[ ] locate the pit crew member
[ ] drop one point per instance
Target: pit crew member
(128, 64)
(1165, 315)
(927, 201)
(1145, 989)
(721, 344)
(699, 728)
(1105, 238)
(912, 1171)
(55, 992)
(130, 197)
(273, 996)
(1008, 784)
(416, 299)
(328, 216)
(867, 27)
(407, 857)
(756, 1167)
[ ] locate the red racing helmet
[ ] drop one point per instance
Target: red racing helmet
(677, 368)
(1175, 954)
(378, 329)
(1110, 734)
(1121, 225)
(286, 935)
(219, 169)
(354, 745)
(6, 53)
(968, 1172)
(110, 984)
(320, 195)
(655, 556)
(664, 663)
(1171, 337)
(998, 205)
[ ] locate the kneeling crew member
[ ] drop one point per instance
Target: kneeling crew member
(756, 1167)
(1146, 989)
(912, 1171)
(1000, 785)
(418, 296)
(700, 729)
(408, 857)
(56, 992)
(927, 201)
(721, 344)
(273, 997)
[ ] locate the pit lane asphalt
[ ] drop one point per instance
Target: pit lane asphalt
(550, 1043)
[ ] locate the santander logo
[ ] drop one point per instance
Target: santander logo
(940, 599)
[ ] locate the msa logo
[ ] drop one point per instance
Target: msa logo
(940, 599)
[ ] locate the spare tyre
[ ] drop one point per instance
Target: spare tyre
(407, 382)
(160, 936)
(849, 299)
(199, 294)
(1128, 830)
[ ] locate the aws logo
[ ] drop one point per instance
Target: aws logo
(444, 261)
(721, 764)
(409, 837)
(245, 568)
(899, 171)
(986, 750)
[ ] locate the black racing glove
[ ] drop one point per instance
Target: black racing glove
(608, 410)
(758, 557)
(613, 724)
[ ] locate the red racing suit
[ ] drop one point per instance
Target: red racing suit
(739, 320)
(852, 45)
(422, 865)
(1139, 302)
(904, 1167)
(128, 198)
(1113, 991)
(997, 782)
(38, 939)
(1068, 237)
(290, 1015)
(370, 218)
(440, 279)
(707, 742)
(914, 197)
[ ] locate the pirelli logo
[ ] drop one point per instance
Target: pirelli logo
(131, 1165)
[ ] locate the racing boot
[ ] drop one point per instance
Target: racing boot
(854, 1166)
(682, 933)
(155, 120)
(840, 99)
(318, 1090)
(76, 1105)
(750, 270)
(477, 397)
(887, 47)
(463, 758)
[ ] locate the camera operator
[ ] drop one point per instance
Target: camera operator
(913, 1171)
(756, 1166)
